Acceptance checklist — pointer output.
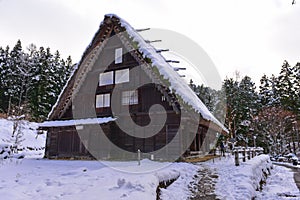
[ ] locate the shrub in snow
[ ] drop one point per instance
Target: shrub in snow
(18, 138)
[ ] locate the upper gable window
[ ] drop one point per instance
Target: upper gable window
(106, 78)
(118, 55)
(122, 76)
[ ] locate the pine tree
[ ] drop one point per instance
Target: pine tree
(4, 59)
(275, 100)
(248, 98)
(38, 97)
(230, 87)
(285, 87)
(247, 107)
(214, 100)
(50, 77)
(15, 83)
(265, 93)
(31, 81)
(296, 84)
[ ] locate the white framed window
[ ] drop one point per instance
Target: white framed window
(106, 78)
(130, 97)
(102, 100)
(122, 76)
(118, 55)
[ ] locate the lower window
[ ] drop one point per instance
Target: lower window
(102, 100)
(130, 97)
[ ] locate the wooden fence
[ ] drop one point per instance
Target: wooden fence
(243, 153)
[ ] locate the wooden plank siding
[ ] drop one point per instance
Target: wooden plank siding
(64, 142)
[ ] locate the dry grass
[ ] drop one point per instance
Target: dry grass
(3, 115)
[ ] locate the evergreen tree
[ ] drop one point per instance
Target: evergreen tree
(248, 99)
(247, 107)
(214, 100)
(285, 87)
(31, 81)
(15, 83)
(4, 72)
(275, 100)
(231, 89)
(265, 91)
(297, 90)
(38, 96)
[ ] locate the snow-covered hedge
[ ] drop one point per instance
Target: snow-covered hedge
(244, 180)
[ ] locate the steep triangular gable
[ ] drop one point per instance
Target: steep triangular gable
(110, 26)
(158, 69)
(65, 98)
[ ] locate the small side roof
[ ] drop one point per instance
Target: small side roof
(73, 122)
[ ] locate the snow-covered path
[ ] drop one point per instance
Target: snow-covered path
(203, 185)
(242, 182)
(280, 185)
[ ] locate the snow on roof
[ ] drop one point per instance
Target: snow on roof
(166, 70)
(76, 122)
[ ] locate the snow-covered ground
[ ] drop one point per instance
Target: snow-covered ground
(26, 141)
(58, 179)
(53, 179)
(35, 178)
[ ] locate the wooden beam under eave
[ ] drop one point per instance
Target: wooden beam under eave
(212, 126)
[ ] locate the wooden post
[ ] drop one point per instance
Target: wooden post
(139, 157)
(9, 106)
(152, 157)
(244, 155)
(249, 156)
(236, 158)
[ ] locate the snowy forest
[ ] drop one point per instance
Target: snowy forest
(31, 80)
(266, 116)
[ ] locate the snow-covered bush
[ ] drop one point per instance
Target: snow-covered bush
(18, 138)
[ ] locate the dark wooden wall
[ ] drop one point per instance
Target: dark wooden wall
(64, 142)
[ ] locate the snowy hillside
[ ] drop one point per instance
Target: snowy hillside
(19, 139)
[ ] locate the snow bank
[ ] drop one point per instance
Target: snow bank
(240, 182)
(27, 143)
(280, 185)
(180, 188)
(60, 179)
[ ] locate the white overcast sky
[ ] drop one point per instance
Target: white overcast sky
(251, 36)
